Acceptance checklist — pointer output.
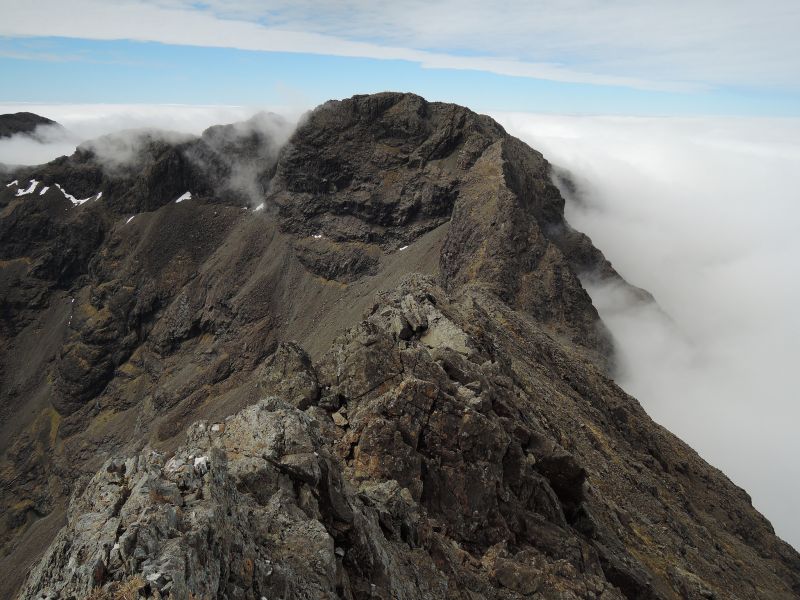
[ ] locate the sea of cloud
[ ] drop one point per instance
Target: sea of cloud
(704, 213)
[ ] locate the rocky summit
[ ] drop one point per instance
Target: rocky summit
(351, 359)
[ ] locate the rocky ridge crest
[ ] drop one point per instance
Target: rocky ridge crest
(457, 435)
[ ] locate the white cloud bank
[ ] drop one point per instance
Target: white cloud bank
(703, 213)
(676, 46)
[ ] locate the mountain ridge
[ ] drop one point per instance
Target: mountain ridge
(160, 313)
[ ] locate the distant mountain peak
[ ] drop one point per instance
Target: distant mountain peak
(22, 123)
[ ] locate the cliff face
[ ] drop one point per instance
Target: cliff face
(360, 366)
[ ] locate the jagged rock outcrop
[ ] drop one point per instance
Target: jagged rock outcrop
(212, 400)
(439, 460)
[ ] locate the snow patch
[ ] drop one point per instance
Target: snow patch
(317, 236)
(402, 248)
(30, 190)
(76, 201)
(44, 190)
(129, 220)
(201, 464)
(15, 182)
(259, 207)
(186, 196)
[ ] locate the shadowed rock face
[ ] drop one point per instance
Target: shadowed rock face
(380, 170)
(386, 382)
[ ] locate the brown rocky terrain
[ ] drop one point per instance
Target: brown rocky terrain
(357, 364)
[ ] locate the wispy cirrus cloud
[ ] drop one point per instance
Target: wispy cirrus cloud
(675, 47)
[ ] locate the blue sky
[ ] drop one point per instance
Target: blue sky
(155, 73)
(614, 57)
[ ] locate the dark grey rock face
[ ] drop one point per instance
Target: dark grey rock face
(380, 170)
(387, 382)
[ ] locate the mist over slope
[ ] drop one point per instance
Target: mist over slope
(702, 213)
(82, 122)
